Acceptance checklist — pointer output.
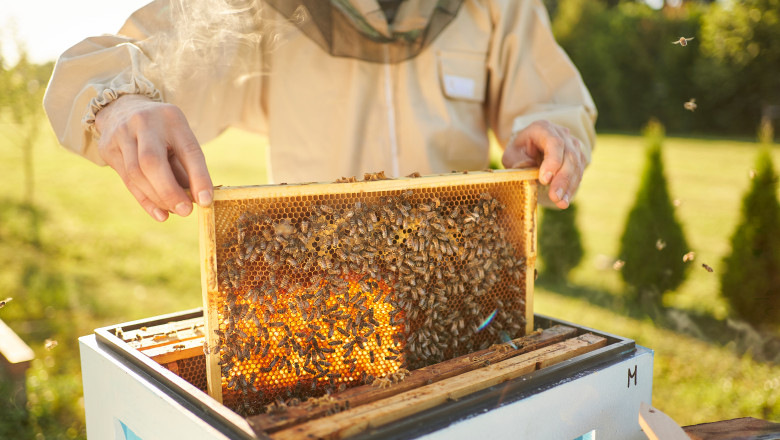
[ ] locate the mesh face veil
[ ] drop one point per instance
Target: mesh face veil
(342, 30)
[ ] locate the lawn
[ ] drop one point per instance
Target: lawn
(84, 255)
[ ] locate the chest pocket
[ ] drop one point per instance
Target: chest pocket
(463, 75)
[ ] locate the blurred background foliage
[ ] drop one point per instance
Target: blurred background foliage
(653, 241)
(78, 254)
(634, 72)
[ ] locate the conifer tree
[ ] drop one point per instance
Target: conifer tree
(653, 242)
(750, 280)
(560, 246)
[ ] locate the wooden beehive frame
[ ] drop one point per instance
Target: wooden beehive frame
(208, 242)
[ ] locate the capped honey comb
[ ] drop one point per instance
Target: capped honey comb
(314, 288)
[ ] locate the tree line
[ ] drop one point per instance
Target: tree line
(627, 56)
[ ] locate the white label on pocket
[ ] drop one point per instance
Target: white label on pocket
(459, 87)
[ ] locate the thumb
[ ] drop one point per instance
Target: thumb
(190, 155)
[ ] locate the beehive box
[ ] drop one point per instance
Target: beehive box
(168, 350)
(314, 288)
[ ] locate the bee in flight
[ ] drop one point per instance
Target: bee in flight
(690, 105)
(683, 41)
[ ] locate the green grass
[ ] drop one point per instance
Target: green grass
(708, 177)
(694, 381)
(96, 259)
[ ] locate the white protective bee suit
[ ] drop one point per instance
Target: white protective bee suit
(494, 65)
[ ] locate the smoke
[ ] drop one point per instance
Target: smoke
(763, 345)
(209, 39)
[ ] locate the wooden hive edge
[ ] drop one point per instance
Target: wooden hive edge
(382, 412)
(402, 183)
(208, 261)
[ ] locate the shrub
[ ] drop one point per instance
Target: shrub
(750, 281)
(560, 246)
(653, 242)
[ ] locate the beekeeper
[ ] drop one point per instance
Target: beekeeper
(340, 88)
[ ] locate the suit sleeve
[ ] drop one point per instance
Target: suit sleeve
(144, 57)
(532, 78)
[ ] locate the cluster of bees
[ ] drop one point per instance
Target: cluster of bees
(391, 378)
(347, 293)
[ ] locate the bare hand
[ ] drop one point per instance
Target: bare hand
(558, 154)
(152, 148)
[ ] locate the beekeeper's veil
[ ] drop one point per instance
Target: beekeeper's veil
(359, 28)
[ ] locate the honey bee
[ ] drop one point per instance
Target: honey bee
(283, 229)
(618, 264)
(660, 244)
(5, 301)
(690, 256)
(690, 105)
(682, 41)
(49, 344)
(178, 347)
(381, 383)
(707, 267)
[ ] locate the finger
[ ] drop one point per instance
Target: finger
(566, 182)
(517, 152)
(553, 145)
(149, 206)
(526, 163)
(154, 163)
(179, 172)
(190, 154)
(115, 160)
(517, 158)
(134, 174)
(110, 151)
(542, 138)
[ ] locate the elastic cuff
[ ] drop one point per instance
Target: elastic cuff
(109, 95)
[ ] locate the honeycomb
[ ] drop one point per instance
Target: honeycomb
(193, 370)
(322, 287)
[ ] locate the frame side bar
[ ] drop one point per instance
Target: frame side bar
(208, 272)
